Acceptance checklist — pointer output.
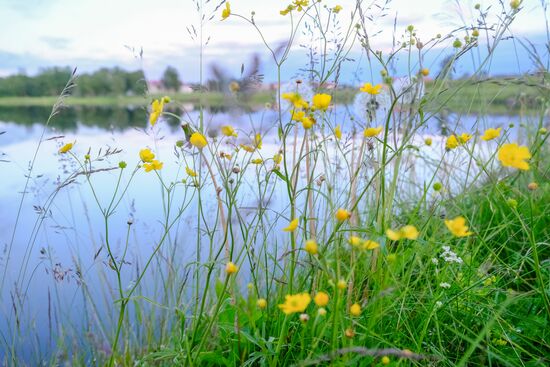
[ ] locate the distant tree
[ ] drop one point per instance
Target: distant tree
(170, 79)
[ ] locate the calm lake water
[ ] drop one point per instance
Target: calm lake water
(54, 263)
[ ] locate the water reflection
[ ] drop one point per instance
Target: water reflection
(67, 281)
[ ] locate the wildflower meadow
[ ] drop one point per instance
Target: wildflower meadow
(396, 220)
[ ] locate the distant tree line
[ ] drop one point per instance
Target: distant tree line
(50, 82)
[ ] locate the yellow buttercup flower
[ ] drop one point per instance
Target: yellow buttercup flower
(338, 132)
(65, 148)
(258, 141)
(408, 232)
(513, 155)
(355, 309)
(371, 89)
(287, 10)
(491, 134)
(198, 140)
(321, 101)
(278, 158)
(292, 225)
(425, 72)
(227, 11)
(451, 143)
(300, 4)
(342, 284)
(458, 226)
(190, 172)
(311, 247)
(372, 131)
(257, 161)
(146, 155)
(385, 360)
(307, 122)
(298, 115)
(295, 303)
(231, 268)
(342, 215)
(337, 9)
(295, 99)
(261, 303)
(156, 110)
(370, 245)
(463, 138)
(228, 130)
(248, 148)
(428, 141)
(154, 165)
(321, 299)
(355, 241)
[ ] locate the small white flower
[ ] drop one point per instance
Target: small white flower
(445, 285)
(438, 304)
(435, 261)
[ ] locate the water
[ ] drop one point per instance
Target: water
(57, 284)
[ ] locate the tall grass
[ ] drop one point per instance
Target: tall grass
(382, 242)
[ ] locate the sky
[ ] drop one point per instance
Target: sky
(89, 34)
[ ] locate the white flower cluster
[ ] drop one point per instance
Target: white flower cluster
(449, 256)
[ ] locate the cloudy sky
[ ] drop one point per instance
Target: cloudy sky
(89, 34)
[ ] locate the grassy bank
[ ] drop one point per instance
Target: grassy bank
(493, 96)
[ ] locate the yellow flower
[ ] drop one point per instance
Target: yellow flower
(277, 158)
(371, 89)
(146, 155)
(321, 101)
(425, 72)
(295, 99)
(287, 10)
(408, 232)
(198, 140)
(337, 9)
(463, 138)
(228, 130)
(428, 141)
(300, 4)
(297, 115)
(355, 309)
(226, 12)
(342, 284)
(65, 148)
(307, 122)
(355, 241)
(385, 360)
(451, 143)
(491, 134)
(295, 303)
(292, 225)
(513, 155)
(257, 161)
(338, 132)
(190, 172)
(156, 110)
(321, 299)
(258, 141)
(311, 247)
(261, 303)
(372, 131)
(154, 165)
(231, 268)
(370, 245)
(342, 215)
(458, 227)
(248, 148)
